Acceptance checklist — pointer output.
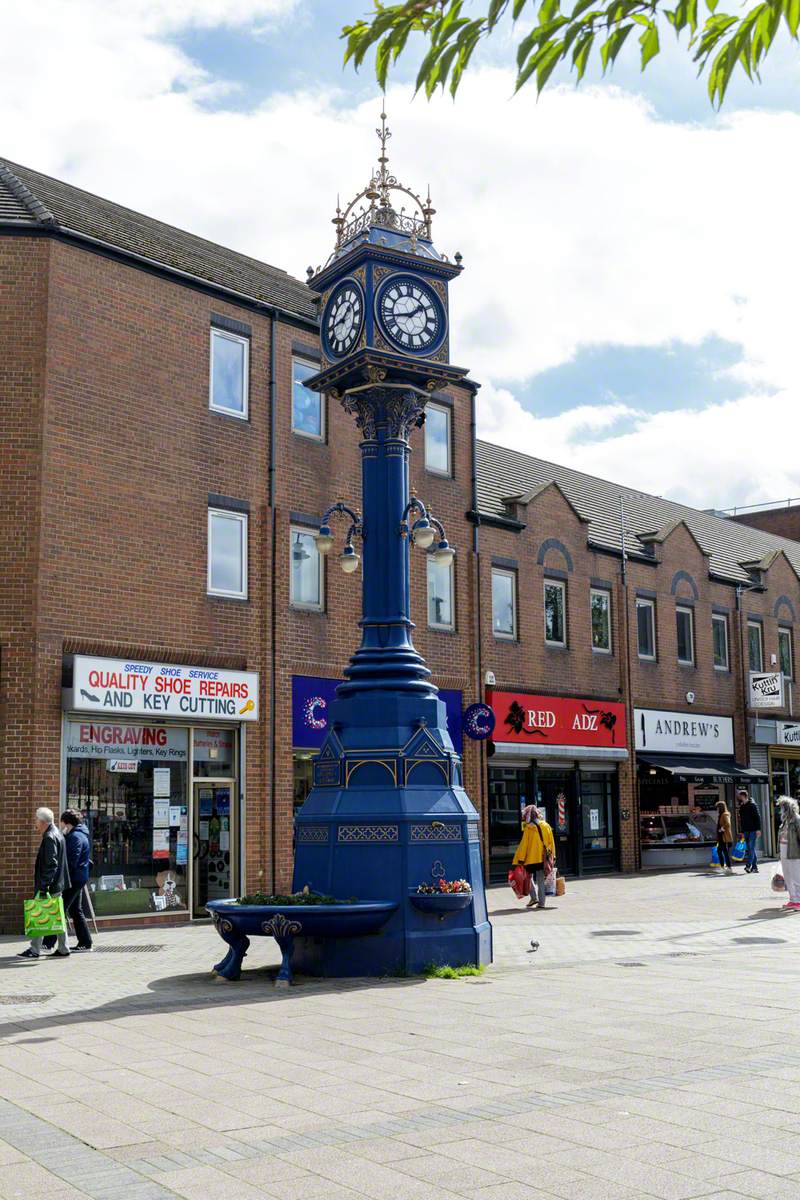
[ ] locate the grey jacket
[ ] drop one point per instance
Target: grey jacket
(790, 831)
(51, 873)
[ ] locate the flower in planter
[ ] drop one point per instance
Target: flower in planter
(445, 887)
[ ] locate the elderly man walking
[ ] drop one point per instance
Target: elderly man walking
(50, 874)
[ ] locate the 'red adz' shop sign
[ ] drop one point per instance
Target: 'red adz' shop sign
(558, 720)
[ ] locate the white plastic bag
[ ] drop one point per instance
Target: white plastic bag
(550, 883)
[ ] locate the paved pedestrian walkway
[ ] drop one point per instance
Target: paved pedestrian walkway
(648, 1047)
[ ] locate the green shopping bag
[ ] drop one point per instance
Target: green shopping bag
(44, 915)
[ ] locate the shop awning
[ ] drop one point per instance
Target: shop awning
(691, 767)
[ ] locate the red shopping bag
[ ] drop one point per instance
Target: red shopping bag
(519, 881)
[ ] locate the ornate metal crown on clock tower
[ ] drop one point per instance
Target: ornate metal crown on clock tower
(383, 291)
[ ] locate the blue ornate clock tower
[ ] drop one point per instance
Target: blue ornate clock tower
(388, 810)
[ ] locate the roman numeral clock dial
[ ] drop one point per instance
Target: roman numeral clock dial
(410, 314)
(343, 318)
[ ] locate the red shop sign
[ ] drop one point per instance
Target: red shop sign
(558, 720)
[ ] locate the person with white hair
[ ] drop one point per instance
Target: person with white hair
(50, 874)
(789, 848)
(536, 852)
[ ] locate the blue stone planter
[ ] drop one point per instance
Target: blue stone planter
(442, 904)
(237, 923)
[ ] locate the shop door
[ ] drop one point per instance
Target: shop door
(598, 848)
(557, 796)
(214, 859)
(509, 792)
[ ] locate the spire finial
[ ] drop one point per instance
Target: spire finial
(384, 133)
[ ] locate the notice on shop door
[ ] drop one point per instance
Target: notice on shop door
(161, 843)
(161, 781)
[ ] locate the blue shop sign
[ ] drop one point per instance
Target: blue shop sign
(312, 696)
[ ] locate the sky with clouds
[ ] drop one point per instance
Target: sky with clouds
(631, 258)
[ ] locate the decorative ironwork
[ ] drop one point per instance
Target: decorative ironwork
(437, 870)
(281, 926)
(221, 924)
(473, 831)
(369, 833)
(395, 411)
(310, 834)
(436, 831)
(373, 205)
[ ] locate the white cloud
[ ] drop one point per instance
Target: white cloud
(583, 219)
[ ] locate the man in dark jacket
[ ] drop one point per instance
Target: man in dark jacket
(50, 874)
(79, 862)
(750, 825)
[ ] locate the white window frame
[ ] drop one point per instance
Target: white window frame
(755, 625)
(720, 618)
(646, 602)
(312, 437)
(451, 577)
(304, 604)
(216, 332)
(688, 611)
(511, 574)
(448, 473)
(786, 631)
(231, 515)
(561, 586)
(606, 595)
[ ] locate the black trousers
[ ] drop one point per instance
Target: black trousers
(74, 903)
(724, 852)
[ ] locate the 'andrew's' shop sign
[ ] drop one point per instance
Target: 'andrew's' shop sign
(114, 685)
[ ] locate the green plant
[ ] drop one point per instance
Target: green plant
(296, 898)
(432, 971)
(718, 42)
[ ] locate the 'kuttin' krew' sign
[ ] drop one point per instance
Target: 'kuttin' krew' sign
(670, 732)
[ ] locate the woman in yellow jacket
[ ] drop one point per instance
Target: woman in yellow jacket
(536, 842)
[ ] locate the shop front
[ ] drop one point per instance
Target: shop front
(312, 696)
(153, 757)
(561, 753)
(685, 764)
(775, 746)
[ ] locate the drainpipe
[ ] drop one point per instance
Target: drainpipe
(476, 550)
(626, 676)
(272, 596)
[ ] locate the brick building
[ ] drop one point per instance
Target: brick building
(170, 638)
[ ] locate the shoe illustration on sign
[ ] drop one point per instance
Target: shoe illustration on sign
(90, 696)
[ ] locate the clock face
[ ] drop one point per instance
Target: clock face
(410, 313)
(343, 318)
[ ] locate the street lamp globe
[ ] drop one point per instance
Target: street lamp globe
(424, 533)
(349, 560)
(324, 539)
(444, 553)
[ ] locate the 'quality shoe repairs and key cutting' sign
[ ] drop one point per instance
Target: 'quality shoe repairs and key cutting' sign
(114, 685)
(558, 720)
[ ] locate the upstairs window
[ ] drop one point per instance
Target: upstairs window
(504, 603)
(555, 603)
(227, 554)
(684, 620)
(719, 630)
(308, 409)
(646, 628)
(755, 645)
(600, 610)
(305, 565)
(440, 594)
(437, 439)
(230, 361)
(785, 652)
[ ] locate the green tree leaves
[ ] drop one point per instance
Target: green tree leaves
(720, 43)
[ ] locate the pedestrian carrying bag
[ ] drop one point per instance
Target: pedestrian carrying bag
(739, 851)
(519, 881)
(44, 915)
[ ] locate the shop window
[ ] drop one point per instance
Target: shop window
(504, 603)
(213, 755)
(305, 570)
(755, 645)
(646, 627)
(302, 777)
(440, 594)
(437, 439)
(308, 408)
(555, 603)
(785, 652)
(130, 784)
(684, 619)
(230, 355)
(600, 610)
(227, 553)
(719, 630)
